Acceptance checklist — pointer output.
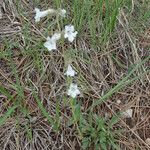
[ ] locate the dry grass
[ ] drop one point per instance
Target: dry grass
(99, 68)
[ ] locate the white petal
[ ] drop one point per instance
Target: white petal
(50, 44)
(39, 14)
(77, 92)
(73, 90)
(62, 12)
(69, 33)
(37, 10)
(48, 38)
(56, 36)
(69, 28)
(70, 38)
(37, 18)
(75, 34)
(70, 71)
(65, 35)
(51, 11)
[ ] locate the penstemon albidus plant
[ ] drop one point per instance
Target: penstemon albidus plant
(51, 42)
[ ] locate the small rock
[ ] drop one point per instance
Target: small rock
(128, 113)
(118, 101)
(147, 141)
(106, 115)
(33, 119)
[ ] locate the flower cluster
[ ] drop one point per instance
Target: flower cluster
(68, 33)
(73, 90)
(51, 42)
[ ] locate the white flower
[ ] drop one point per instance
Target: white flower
(73, 90)
(62, 12)
(50, 44)
(39, 14)
(70, 33)
(128, 113)
(70, 71)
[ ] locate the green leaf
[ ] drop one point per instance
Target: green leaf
(113, 120)
(5, 92)
(43, 110)
(85, 143)
(6, 115)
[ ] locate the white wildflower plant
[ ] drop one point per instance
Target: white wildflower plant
(73, 90)
(50, 44)
(70, 71)
(40, 14)
(70, 33)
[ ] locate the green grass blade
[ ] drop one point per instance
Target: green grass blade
(120, 85)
